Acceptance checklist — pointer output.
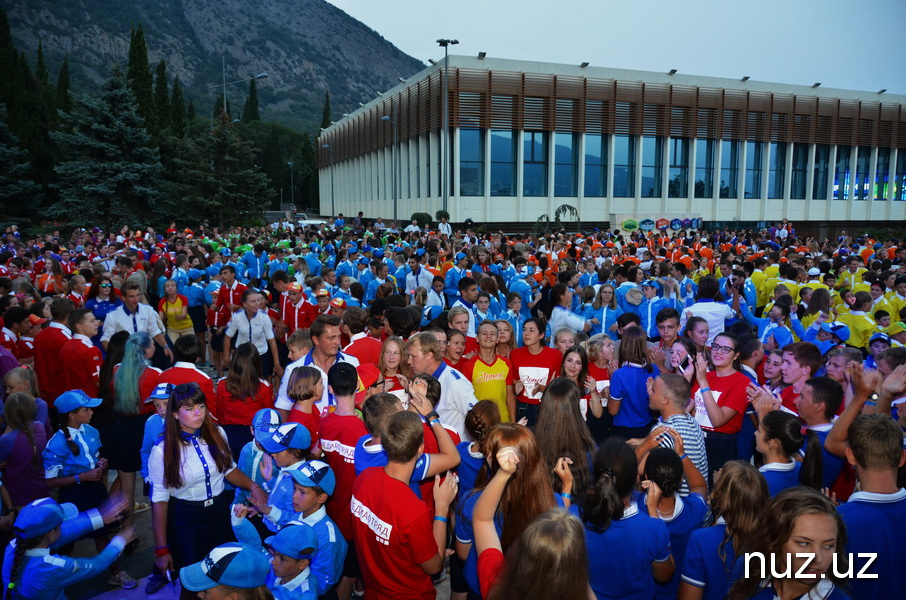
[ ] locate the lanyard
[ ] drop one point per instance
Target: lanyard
(207, 472)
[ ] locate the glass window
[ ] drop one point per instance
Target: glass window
(729, 169)
(899, 191)
(566, 163)
(882, 174)
(800, 171)
(776, 166)
(704, 168)
(821, 172)
(841, 173)
(863, 173)
(534, 170)
(595, 165)
(503, 163)
(624, 166)
(678, 184)
(754, 160)
(652, 165)
(471, 162)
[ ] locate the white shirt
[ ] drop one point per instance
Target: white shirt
(192, 471)
(412, 229)
(445, 229)
(144, 319)
(258, 330)
(457, 397)
(715, 313)
(423, 278)
(563, 318)
(284, 402)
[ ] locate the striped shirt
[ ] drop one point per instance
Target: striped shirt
(693, 444)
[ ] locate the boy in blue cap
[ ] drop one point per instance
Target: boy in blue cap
(313, 484)
(31, 571)
(288, 449)
(264, 424)
(227, 566)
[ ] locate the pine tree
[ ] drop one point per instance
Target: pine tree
(31, 118)
(250, 110)
(161, 98)
(218, 108)
(190, 111)
(17, 190)
(325, 115)
(139, 76)
(112, 175)
(64, 98)
(177, 110)
(40, 66)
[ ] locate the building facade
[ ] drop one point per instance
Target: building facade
(526, 138)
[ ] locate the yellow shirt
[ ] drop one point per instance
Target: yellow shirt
(758, 279)
(172, 311)
(850, 280)
(490, 381)
(861, 328)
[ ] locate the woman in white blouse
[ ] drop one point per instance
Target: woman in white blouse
(190, 510)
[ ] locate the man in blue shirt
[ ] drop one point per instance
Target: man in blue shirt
(457, 272)
(254, 262)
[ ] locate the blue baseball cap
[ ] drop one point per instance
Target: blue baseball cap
(195, 273)
(782, 336)
(353, 249)
(161, 391)
(293, 541)
(652, 284)
(364, 261)
(460, 256)
(265, 423)
(837, 328)
(288, 435)
(234, 565)
(420, 252)
(367, 248)
(378, 253)
(43, 515)
(74, 400)
(430, 313)
(315, 473)
(226, 252)
(879, 337)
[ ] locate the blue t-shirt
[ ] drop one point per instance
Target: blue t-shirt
(831, 465)
(876, 523)
(628, 385)
(375, 456)
(630, 544)
(690, 514)
(59, 460)
(781, 476)
(702, 565)
(469, 465)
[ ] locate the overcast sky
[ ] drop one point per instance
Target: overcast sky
(842, 44)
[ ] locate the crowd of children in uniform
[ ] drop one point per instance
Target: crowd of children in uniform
(564, 417)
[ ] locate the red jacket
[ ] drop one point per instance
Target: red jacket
(183, 372)
(48, 344)
(367, 349)
(80, 366)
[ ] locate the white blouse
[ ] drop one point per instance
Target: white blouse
(194, 486)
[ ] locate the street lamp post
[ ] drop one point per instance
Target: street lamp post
(393, 160)
(333, 210)
(223, 86)
(292, 187)
(445, 44)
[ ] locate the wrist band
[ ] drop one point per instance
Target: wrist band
(683, 457)
(703, 390)
(432, 415)
(566, 496)
(162, 551)
(441, 519)
(77, 480)
(434, 422)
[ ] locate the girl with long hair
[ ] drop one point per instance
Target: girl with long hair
(773, 377)
(506, 338)
(554, 539)
(528, 494)
(21, 448)
(798, 522)
(613, 521)
(23, 380)
(698, 330)
(50, 282)
(739, 495)
(101, 300)
(191, 510)
(561, 432)
(628, 403)
(241, 394)
(173, 309)
(393, 365)
(456, 346)
(559, 313)
(606, 310)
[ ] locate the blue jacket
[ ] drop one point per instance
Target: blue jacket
(304, 586)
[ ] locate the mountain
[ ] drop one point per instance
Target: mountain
(308, 47)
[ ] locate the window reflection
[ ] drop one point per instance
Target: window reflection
(471, 162)
(534, 170)
(503, 163)
(595, 165)
(678, 184)
(565, 164)
(624, 166)
(652, 166)
(704, 168)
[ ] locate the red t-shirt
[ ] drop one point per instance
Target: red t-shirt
(146, 384)
(367, 349)
(240, 411)
(393, 534)
(339, 434)
(534, 370)
(727, 391)
(432, 447)
(491, 564)
(311, 421)
(80, 364)
(789, 396)
(48, 344)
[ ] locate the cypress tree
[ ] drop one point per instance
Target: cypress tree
(218, 109)
(325, 115)
(40, 66)
(190, 111)
(112, 175)
(138, 74)
(177, 110)
(64, 98)
(250, 110)
(31, 117)
(161, 98)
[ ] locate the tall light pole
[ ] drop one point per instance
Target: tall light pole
(292, 187)
(327, 147)
(225, 83)
(393, 159)
(445, 44)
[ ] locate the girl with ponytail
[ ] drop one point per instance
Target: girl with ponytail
(779, 438)
(612, 520)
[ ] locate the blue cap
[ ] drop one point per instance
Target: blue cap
(420, 252)
(265, 423)
(234, 565)
(838, 328)
(652, 284)
(315, 473)
(293, 540)
(74, 400)
(399, 249)
(226, 252)
(879, 337)
(195, 273)
(378, 253)
(782, 336)
(288, 435)
(43, 515)
(525, 271)
(353, 249)
(367, 248)
(878, 246)
(459, 256)
(364, 261)
(161, 391)
(430, 313)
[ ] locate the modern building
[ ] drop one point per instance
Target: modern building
(526, 138)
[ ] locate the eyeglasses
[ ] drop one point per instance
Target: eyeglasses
(722, 349)
(103, 285)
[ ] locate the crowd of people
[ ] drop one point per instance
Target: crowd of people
(356, 410)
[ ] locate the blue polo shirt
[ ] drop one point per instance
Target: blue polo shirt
(781, 476)
(375, 456)
(689, 514)
(628, 385)
(702, 566)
